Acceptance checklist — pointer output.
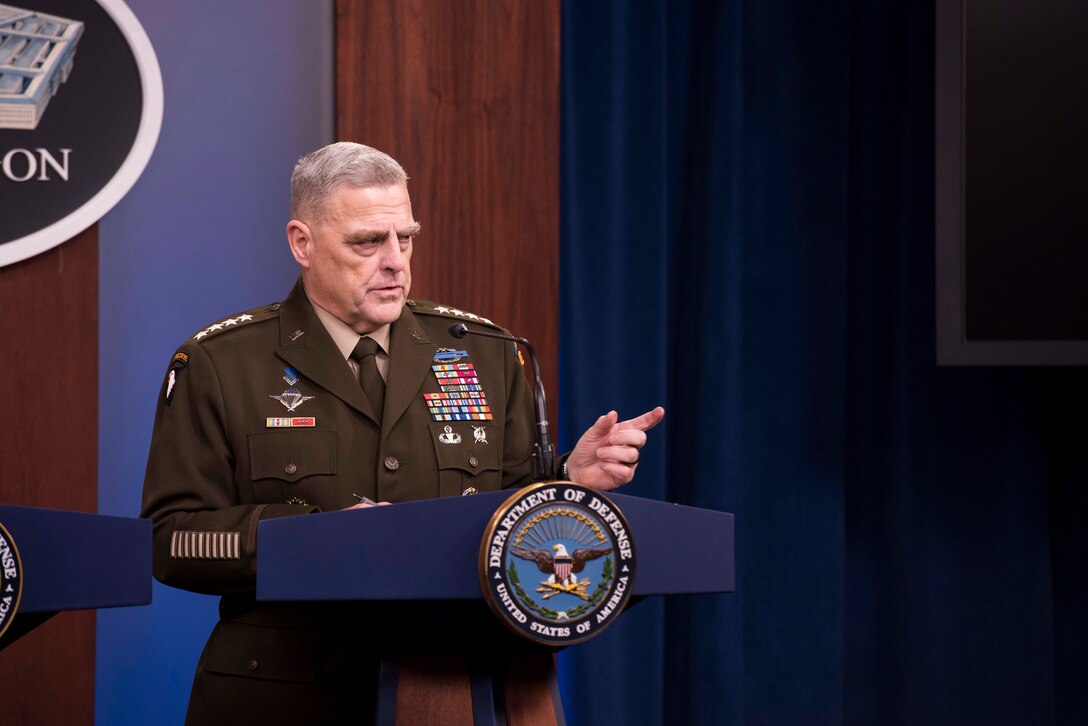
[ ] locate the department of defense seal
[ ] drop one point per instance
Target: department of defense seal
(11, 579)
(557, 563)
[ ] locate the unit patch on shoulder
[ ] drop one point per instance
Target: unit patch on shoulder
(178, 364)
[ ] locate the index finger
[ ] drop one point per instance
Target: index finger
(645, 422)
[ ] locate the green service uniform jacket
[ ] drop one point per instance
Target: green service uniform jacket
(260, 416)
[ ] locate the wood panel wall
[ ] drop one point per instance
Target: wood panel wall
(465, 94)
(49, 457)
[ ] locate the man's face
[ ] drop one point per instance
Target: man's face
(355, 260)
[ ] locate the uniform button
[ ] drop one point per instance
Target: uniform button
(410, 303)
(468, 492)
(252, 665)
(291, 469)
(274, 307)
(391, 463)
(473, 461)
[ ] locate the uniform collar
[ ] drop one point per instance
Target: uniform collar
(344, 337)
(309, 347)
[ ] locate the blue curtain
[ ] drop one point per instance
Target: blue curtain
(747, 239)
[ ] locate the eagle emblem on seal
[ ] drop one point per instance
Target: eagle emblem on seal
(561, 568)
(557, 562)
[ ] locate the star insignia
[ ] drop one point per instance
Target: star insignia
(461, 314)
(222, 324)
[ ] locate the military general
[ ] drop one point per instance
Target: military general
(336, 397)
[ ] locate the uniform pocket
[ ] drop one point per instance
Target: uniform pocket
(274, 654)
(288, 465)
(468, 455)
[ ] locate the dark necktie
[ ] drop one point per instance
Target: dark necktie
(365, 354)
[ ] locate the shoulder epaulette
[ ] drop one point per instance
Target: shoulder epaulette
(426, 307)
(238, 321)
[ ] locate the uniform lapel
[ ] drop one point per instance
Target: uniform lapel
(411, 354)
(314, 355)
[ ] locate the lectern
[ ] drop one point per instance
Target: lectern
(76, 561)
(425, 554)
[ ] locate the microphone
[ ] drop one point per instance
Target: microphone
(543, 453)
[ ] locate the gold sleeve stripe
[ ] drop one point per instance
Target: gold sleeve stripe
(185, 545)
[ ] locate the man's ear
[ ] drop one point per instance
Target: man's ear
(301, 241)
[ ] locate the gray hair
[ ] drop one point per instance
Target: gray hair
(320, 173)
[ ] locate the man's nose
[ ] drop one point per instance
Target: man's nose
(392, 254)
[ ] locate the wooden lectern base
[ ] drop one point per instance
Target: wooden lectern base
(520, 691)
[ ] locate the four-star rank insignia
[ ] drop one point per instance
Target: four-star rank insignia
(223, 325)
(557, 563)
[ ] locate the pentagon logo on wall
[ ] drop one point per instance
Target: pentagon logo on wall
(80, 110)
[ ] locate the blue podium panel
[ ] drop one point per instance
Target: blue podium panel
(429, 550)
(77, 561)
(681, 549)
(425, 550)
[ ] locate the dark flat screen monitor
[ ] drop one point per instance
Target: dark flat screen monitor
(1012, 182)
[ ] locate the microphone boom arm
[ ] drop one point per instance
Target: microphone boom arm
(543, 453)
